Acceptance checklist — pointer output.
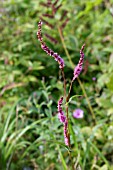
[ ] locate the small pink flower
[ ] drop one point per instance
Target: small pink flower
(94, 78)
(78, 114)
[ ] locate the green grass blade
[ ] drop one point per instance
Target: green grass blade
(62, 159)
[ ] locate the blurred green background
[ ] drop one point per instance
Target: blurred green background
(31, 136)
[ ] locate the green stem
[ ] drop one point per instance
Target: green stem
(64, 46)
(88, 102)
(67, 99)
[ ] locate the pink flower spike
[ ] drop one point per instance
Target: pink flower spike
(78, 68)
(66, 141)
(46, 48)
(61, 115)
(78, 114)
(66, 133)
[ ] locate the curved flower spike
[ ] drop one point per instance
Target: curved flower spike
(46, 48)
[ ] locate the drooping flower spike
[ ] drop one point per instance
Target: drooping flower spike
(46, 48)
(78, 68)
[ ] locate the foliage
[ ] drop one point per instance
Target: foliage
(31, 84)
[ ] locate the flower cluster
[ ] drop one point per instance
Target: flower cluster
(47, 50)
(78, 68)
(63, 120)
